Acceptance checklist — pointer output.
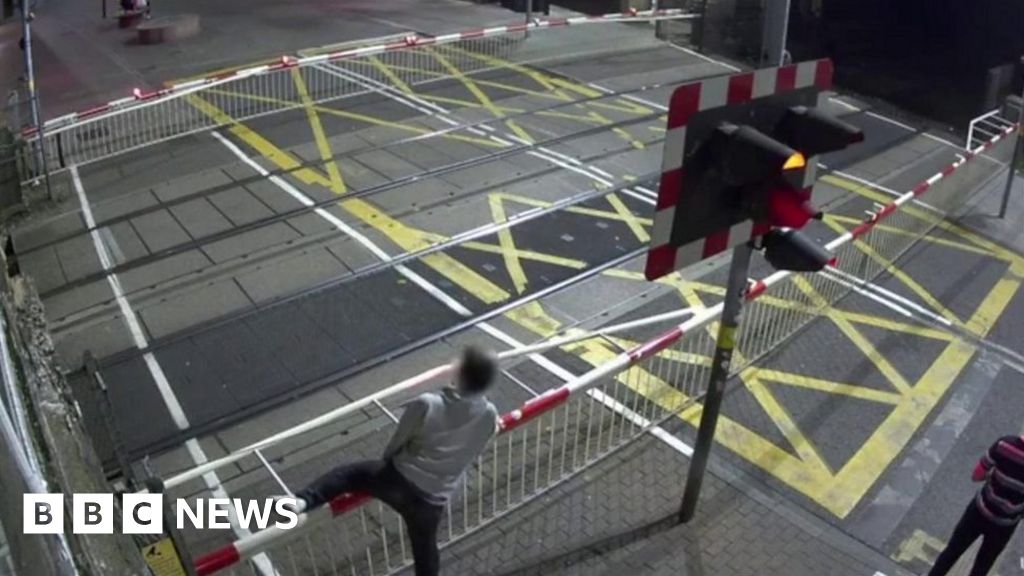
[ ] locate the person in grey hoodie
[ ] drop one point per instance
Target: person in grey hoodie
(439, 435)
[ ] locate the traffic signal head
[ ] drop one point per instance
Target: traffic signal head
(746, 156)
(787, 207)
(740, 159)
(814, 132)
(788, 249)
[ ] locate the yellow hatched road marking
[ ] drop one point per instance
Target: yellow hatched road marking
(863, 344)
(632, 221)
(337, 184)
(480, 95)
(479, 82)
(275, 155)
(604, 214)
(537, 76)
(929, 238)
(854, 391)
(527, 255)
(902, 276)
(980, 241)
(407, 238)
(508, 246)
(390, 74)
(360, 117)
(812, 461)
(855, 317)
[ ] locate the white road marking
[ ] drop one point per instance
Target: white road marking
(641, 197)
(705, 58)
(612, 404)
(631, 97)
(195, 451)
(867, 294)
(894, 297)
(878, 116)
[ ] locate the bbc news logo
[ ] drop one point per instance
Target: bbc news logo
(144, 513)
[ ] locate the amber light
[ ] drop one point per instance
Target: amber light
(795, 162)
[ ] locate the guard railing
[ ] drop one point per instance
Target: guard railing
(149, 117)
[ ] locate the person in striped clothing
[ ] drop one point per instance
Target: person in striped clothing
(994, 513)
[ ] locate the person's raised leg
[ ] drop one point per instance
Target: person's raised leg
(354, 477)
(967, 531)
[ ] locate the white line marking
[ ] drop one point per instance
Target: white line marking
(647, 191)
(894, 296)
(705, 58)
(847, 105)
(612, 404)
(658, 432)
(878, 116)
(867, 294)
(167, 394)
(941, 140)
(641, 197)
(631, 97)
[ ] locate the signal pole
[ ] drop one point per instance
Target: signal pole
(720, 363)
(1016, 153)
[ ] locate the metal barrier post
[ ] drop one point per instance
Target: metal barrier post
(155, 485)
(1016, 154)
(107, 413)
(720, 362)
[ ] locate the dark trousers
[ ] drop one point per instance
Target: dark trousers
(973, 525)
(382, 481)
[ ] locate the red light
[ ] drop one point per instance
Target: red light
(788, 209)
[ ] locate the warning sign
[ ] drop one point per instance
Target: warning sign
(163, 559)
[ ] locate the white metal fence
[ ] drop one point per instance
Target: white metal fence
(146, 118)
(984, 127)
(562, 432)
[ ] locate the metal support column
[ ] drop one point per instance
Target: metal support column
(732, 307)
(774, 33)
(1005, 204)
(33, 96)
(529, 16)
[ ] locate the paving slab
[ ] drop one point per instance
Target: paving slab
(190, 308)
(290, 275)
(618, 519)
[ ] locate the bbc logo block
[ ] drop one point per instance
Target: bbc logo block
(144, 513)
(93, 514)
(43, 514)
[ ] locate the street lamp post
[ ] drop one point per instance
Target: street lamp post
(1005, 204)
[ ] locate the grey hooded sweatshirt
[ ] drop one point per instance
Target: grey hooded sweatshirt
(438, 437)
